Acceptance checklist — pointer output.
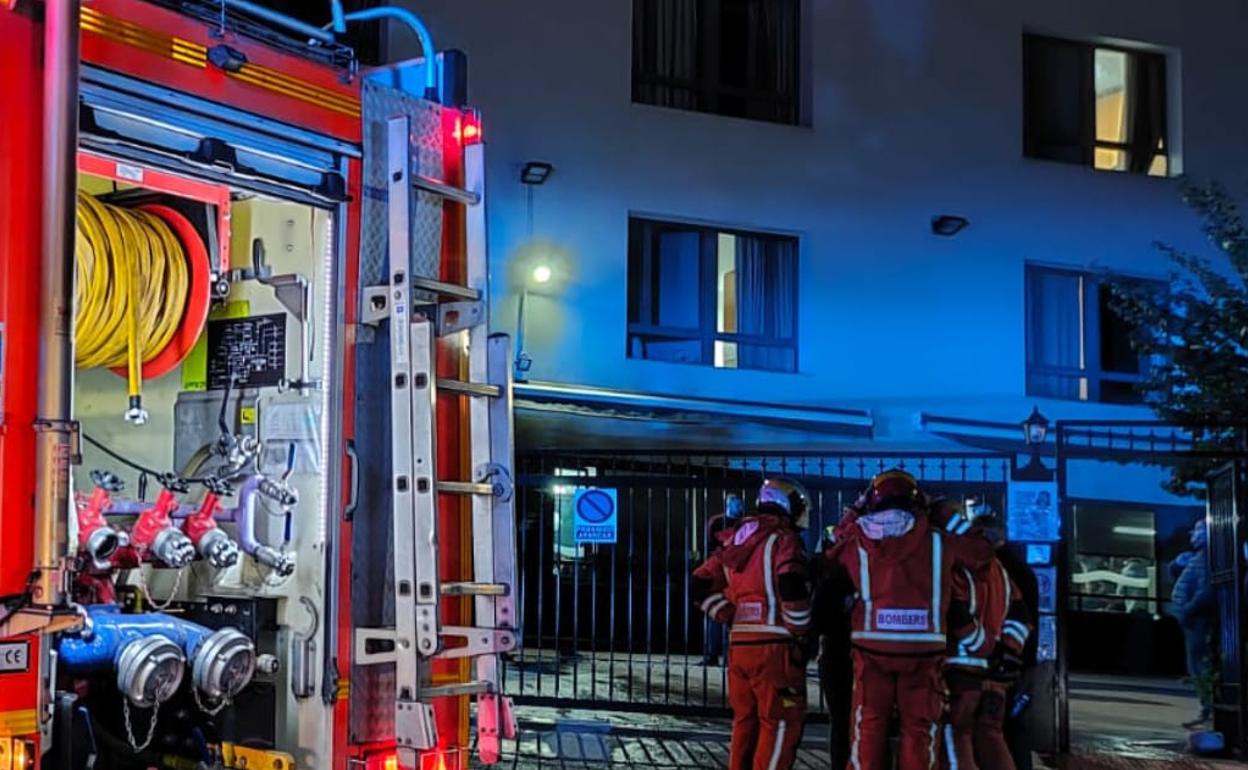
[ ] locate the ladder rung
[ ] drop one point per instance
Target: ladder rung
(469, 388)
(474, 589)
(445, 289)
(465, 488)
(450, 192)
(456, 690)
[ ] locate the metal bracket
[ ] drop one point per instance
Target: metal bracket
(479, 641)
(376, 307)
(457, 316)
(374, 646)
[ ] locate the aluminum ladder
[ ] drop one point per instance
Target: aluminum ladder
(419, 637)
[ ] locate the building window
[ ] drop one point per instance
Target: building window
(701, 295)
(1094, 105)
(1078, 347)
(1114, 561)
(730, 57)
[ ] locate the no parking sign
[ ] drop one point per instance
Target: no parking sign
(594, 517)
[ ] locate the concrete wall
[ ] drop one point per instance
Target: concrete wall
(915, 109)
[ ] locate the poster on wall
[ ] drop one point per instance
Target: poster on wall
(1046, 648)
(1046, 584)
(1033, 514)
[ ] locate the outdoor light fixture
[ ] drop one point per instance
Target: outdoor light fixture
(541, 274)
(1035, 431)
(948, 225)
(1035, 428)
(535, 172)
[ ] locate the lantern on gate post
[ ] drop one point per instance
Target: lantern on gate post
(1035, 432)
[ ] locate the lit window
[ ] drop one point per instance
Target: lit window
(700, 295)
(1114, 560)
(1095, 105)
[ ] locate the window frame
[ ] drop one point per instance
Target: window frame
(707, 332)
(1089, 142)
(1091, 336)
(707, 90)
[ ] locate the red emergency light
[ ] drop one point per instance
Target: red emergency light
(468, 129)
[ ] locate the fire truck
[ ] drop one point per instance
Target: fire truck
(255, 434)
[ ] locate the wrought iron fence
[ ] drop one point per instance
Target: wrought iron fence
(613, 626)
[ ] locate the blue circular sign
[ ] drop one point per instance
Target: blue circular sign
(595, 506)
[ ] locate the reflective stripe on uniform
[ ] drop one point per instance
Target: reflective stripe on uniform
(970, 582)
(931, 747)
(759, 628)
(864, 585)
(963, 660)
(774, 762)
(769, 578)
(950, 749)
(710, 600)
(916, 637)
(853, 753)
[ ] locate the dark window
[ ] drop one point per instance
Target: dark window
(701, 295)
(1095, 105)
(1078, 346)
(731, 57)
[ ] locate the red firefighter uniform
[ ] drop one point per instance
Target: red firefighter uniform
(758, 584)
(982, 667)
(906, 608)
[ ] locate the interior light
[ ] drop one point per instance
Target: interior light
(1135, 531)
(542, 274)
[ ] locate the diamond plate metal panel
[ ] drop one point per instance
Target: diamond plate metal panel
(372, 598)
(379, 104)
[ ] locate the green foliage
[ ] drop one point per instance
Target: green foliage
(1194, 332)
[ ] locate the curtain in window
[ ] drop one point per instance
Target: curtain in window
(665, 52)
(1054, 333)
(766, 301)
(771, 48)
(1148, 109)
(1058, 111)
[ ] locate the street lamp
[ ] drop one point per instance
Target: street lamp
(540, 276)
(1035, 431)
(1035, 428)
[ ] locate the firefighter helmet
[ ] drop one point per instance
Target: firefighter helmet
(786, 496)
(894, 489)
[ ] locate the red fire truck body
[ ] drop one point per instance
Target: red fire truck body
(262, 152)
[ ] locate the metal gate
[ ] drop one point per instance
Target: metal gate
(1226, 574)
(613, 626)
(1161, 444)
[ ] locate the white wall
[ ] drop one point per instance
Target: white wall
(915, 111)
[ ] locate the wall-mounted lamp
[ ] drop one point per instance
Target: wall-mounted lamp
(948, 225)
(535, 172)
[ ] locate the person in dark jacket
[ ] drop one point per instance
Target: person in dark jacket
(1192, 603)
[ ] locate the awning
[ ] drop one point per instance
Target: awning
(556, 415)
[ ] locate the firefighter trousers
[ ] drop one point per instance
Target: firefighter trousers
(767, 691)
(916, 687)
(976, 721)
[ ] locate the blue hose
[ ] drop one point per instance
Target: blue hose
(98, 647)
(413, 21)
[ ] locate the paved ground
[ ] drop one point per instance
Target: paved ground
(1115, 724)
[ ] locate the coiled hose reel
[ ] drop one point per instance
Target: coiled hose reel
(141, 291)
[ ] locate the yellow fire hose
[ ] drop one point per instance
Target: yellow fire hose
(130, 293)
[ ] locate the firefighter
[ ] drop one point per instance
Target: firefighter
(834, 596)
(901, 569)
(982, 669)
(758, 584)
(716, 633)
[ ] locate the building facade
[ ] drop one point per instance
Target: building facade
(879, 223)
